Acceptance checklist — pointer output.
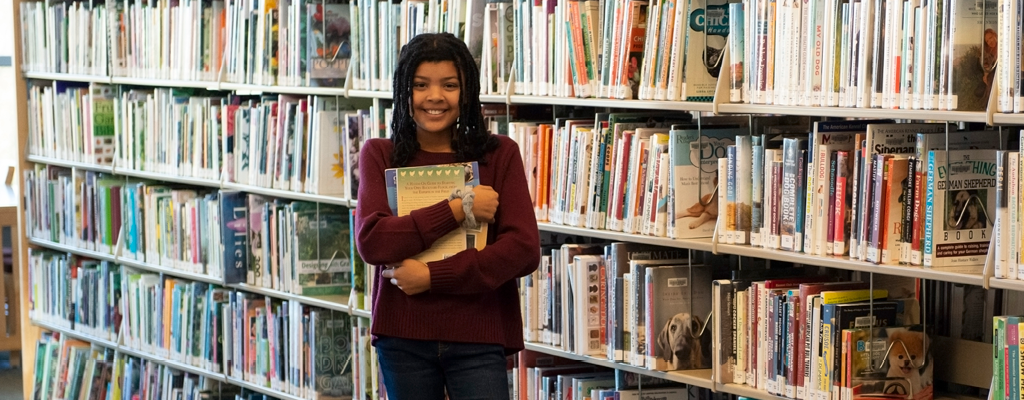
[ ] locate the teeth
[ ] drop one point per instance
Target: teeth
(435, 112)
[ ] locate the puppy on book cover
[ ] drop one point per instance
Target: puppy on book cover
(678, 306)
(904, 364)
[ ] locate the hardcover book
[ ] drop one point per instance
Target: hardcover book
(678, 305)
(329, 49)
(321, 249)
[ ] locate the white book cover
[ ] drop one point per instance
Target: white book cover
(959, 214)
(695, 179)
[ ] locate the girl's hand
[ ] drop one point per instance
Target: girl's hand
(411, 276)
(485, 203)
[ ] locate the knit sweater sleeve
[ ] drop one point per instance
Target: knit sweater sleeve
(515, 250)
(383, 238)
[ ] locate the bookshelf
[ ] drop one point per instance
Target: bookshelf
(719, 105)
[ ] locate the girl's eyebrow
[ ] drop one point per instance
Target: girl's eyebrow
(447, 78)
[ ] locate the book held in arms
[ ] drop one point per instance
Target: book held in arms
(418, 187)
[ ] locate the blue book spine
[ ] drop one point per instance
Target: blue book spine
(756, 191)
(234, 231)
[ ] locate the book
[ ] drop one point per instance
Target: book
(694, 203)
(321, 249)
(958, 224)
(678, 304)
(418, 187)
(619, 255)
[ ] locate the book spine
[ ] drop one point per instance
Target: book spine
(757, 193)
(874, 242)
(830, 203)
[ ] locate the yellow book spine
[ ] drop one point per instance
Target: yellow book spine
(851, 296)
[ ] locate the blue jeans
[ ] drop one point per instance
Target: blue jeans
(424, 370)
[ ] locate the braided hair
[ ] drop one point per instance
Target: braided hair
(470, 140)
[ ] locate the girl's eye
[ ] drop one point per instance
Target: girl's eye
(418, 85)
(451, 86)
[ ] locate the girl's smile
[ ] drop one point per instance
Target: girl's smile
(435, 102)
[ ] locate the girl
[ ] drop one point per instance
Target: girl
(445, 326)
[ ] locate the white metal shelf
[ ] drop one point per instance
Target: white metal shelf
(968, 116)
(69, 164)
(287, 194)
(698, 377)
(173, 83)
(1011, 284)
(747, 391)
(966, 275)
(337, 303)
(64, 330)
(727, 108)
(125, 261)
(614, 103)
(58, 76)
(211, 183)
(1008, 119)
(300, 90)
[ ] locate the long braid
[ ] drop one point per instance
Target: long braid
(471, 140)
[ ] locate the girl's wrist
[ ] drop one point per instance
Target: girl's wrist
(456, 206)
(465, 195)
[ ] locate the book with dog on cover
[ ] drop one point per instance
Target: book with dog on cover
(694, 180)
(883, 361)
(959, 207)
(678, 305)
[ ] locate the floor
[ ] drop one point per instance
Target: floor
(10, 379)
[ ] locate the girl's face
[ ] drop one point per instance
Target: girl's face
(435, 98)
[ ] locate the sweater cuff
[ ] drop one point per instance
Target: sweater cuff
(442, 275)
(435, 221)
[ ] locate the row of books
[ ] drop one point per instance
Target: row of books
(288, 43)
(1006, 357)
(871, 190)
(537, 376)
(820, 339)
(69, 37)
(623, 50)
(641, 173)
(854, 54)
(71, 369)
(302, 144)
(293, 246)
(604, 300)
(837, 54)
(854, 188)
(301, 350)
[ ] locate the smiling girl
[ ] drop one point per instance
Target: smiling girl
(445, 326)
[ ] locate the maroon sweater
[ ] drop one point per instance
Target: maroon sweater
(473, 295)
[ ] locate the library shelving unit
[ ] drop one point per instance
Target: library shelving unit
(702, 378)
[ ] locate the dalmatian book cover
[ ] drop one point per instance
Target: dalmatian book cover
(959, 207)
(678, 307)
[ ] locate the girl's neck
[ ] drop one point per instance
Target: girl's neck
(434, 143)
